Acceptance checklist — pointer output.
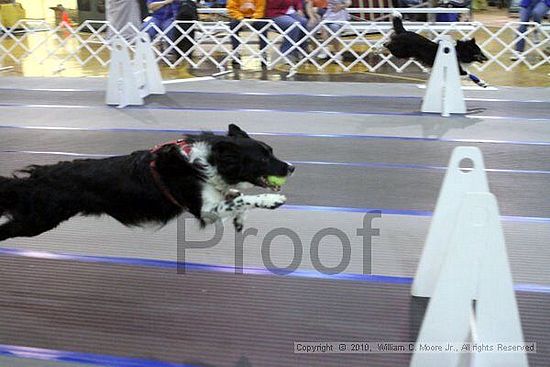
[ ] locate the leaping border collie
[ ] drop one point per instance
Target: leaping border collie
(405, 44)
(201, 174)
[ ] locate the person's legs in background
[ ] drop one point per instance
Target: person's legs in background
(538, 13)
(337, 46)
(295, 34)
(119, 14)
(166, 42)
(301, 35)
(284, 22)
(168, 27)
(260, 25)
(232, 25)
(524, 16)
(256, 24)
(151, 31)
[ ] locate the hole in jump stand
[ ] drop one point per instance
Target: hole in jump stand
(466, 165)
(446, 50)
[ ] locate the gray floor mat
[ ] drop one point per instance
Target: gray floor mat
(214, 319)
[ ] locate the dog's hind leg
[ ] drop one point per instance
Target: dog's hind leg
(10, 229)
(26, 227)
(3, 195)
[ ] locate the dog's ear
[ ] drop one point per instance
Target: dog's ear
(236, 132)
(473, 40)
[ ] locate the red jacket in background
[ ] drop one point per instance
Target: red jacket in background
(275, 8)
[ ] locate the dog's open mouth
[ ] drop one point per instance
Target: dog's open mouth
(264, 182)
(481, 58)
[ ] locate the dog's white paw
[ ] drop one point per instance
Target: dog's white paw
(232, 194)
(482, 83)
(268, 201)
(396, 14)
(378, 48)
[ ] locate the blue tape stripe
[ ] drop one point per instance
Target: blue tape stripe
(409, 166)
(319, 208)
(318, 163)
(346, 96)
(167, 264)
(410, 212)
(294, 135)
(266, 110)
(77, 357)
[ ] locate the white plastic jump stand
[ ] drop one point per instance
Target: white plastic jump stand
(475, 267)
(464, 259)
(146, 67)
(444, 93)
(455, 185)
(122, 86)
(130, 81)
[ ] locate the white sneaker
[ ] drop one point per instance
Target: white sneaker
(172, 56)
(516, 56)
(322, 55)
(536, 38)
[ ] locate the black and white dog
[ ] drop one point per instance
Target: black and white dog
(404, 44)
(200, 174)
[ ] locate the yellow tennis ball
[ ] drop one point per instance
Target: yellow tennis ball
(276, 180)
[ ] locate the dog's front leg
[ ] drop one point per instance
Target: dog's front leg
(472, 77)
(238, 206)
(261, 201)
(482, 83)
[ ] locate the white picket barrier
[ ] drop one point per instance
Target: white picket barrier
(88, 44)
(465, 259)
(130, 81)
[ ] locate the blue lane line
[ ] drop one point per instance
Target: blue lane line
(212, 109)
(314, 163)
(173, 265)
(266, 110)
(346, 96)
(77, 357)
(409, 166)
(409, 212)
(293, 135)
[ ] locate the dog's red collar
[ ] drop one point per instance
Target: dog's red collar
(186, 150)
(181, 143)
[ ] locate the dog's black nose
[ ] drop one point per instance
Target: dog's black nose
(291, 169)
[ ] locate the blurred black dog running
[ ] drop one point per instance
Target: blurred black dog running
(404, 44)
(200, 174)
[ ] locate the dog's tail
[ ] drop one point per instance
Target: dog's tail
(397, 20)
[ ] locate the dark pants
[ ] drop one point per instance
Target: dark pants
(535, 11)
(296, 34)
(258, 25)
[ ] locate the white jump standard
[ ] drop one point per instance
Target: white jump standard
(129, 80)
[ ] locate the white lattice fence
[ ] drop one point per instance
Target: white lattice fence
(358, 42)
